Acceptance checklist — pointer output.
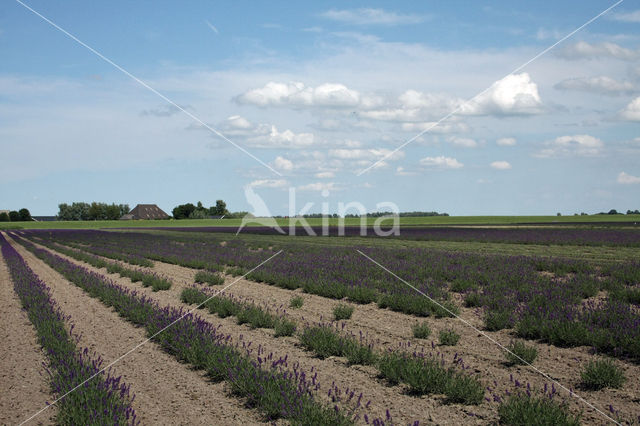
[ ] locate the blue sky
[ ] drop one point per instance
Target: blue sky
(320, 92)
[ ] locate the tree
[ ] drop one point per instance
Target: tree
(613, 211)
(4, 217)
(219, 209)
(124, 209)
(14, 216)
(75, 211)
(25, 215)
(183, 211)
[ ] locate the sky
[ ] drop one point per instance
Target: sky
(431, 106)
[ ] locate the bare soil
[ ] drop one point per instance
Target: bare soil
(25, 388)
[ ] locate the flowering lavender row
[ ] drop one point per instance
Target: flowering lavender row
(512, 290)
(266, 383)
(562, 236)
(104, 399)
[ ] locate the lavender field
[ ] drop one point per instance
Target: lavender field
(559, 313)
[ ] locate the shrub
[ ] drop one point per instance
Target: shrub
(602, 374)
(342, 312)
(520, 409)
(208, 277)
(497, 320)
(449, 337)
(421, 330)
(296, 302)
(521, 353)
(284, 327)
(472, 300)
(256, 317)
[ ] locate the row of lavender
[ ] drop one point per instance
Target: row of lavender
(629, 237)
(511, 289)
(269, 384)
(103, 399)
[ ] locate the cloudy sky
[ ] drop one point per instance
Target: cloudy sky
(428, 105)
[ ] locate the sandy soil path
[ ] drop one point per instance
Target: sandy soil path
(167, 392)
(25, 388)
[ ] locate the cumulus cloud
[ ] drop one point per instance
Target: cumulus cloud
(632, 111)
(627, 17)
(297, 95)
(463, 142)
(506, 141)
(283, 164)
(515, 94)
(584, 50)
(264, 135)
(441, 162)
(602, 85)
(269, 183)
(367, 16)
(627, 179)
(576, 145)
(501, 165)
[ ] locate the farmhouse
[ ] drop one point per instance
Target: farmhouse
(145, 211)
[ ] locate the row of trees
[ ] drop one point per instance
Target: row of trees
(93, 211)
(21, 215)
(190, 211)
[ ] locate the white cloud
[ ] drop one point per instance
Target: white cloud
(627, 17)
(401, 171)
(576, 145)
(325, 175)
(372, 17)
(319, 186)
(515, 94)
(238, 122)
(584, 50)
(506, 141)
(283, 164)
(602, 85)
(463, 142)
(632, 111)
(627, 179)
(365, 154)
(297, 95)
(441, 162)
(501, 165)
(269, 183)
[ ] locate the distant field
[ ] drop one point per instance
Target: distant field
(407, 221)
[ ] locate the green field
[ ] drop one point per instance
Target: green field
(406, 221)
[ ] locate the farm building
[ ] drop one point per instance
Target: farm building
(145, 211)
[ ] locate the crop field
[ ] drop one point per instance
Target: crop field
(439, 325)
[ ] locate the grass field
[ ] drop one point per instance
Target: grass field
(405, 221)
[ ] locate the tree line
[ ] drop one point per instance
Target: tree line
(191, 211)
(22, 215)
(93, 211)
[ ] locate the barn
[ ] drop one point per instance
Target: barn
(145, 211)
